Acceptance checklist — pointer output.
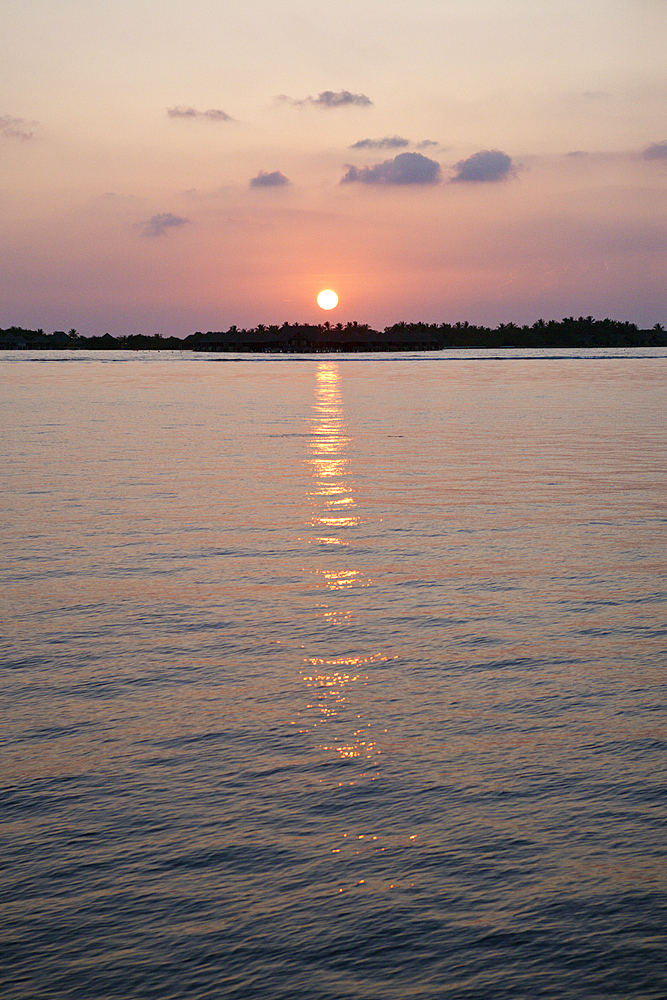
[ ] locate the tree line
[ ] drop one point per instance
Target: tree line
(581, 332)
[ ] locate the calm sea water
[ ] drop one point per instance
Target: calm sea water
(334, 676)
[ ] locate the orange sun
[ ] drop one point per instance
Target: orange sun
(327, 299)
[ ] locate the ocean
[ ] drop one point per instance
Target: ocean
(338, 677)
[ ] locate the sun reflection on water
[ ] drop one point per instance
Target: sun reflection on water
(335, 684)
(329, 459)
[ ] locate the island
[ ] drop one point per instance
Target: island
(303, 338)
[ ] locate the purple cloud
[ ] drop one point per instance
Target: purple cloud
(213, 114)
(487, 165)
(273, 179)
(331, 99)
(658, 151)
(406, 168)
(389, 142)
(16, 128)
(159, 224)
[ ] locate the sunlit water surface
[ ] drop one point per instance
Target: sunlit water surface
(334, 676)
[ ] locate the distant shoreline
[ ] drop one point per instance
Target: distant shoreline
(300, 338)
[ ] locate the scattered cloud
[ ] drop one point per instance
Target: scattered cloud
(159, 224)
(657, 151)
(331, 99)
(389, 142)
(215, 115)
(273, 179)
(392, 142)
(340, 98)
(487, 165)
(212, 115)
(406, 168)
(16, 128)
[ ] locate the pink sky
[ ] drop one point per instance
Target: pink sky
(170, 168)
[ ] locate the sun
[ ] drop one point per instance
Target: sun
(327, 299)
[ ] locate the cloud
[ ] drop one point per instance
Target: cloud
(16, 128)
(340, 98)
(159, 224)
(657, 151)
(487, 165)
(264, 179)
(389, 142)
(331, 99)
(392, 142)
(406, 168)
(213, 114)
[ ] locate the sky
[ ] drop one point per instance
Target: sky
(169, 167)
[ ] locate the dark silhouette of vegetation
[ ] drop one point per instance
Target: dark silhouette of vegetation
(569, 332)
(583, 332)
